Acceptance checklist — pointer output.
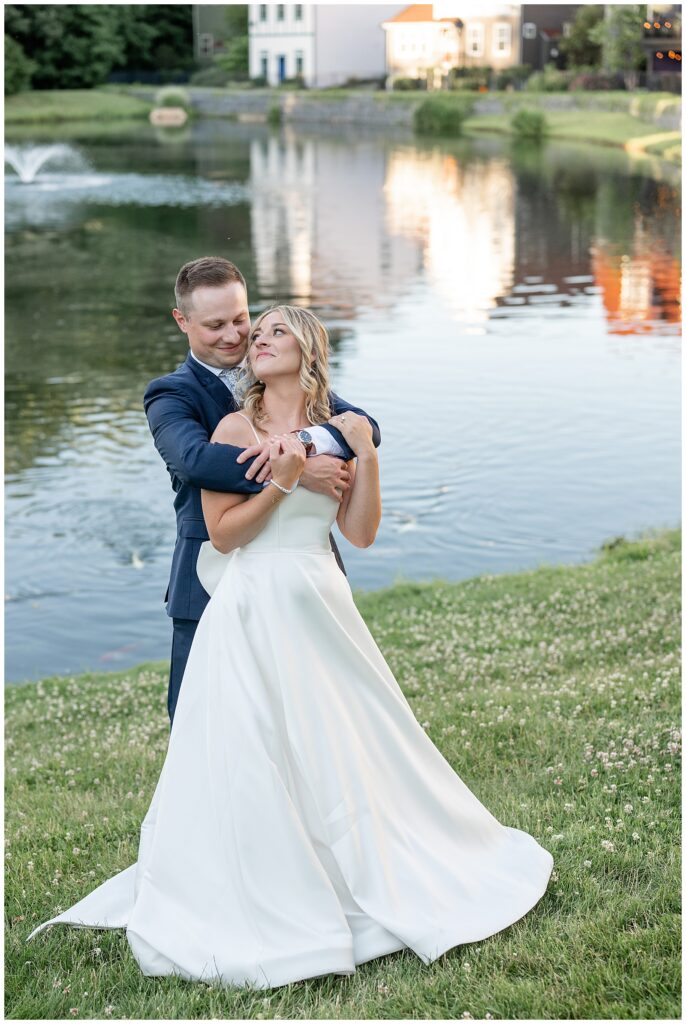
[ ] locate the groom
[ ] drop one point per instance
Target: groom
(183, 409)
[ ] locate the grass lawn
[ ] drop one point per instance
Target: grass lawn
(72, 105)
(610, 128)
(554, 693)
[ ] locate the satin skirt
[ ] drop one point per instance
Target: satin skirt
(303, 822)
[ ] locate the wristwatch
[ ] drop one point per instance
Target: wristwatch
(306, 437)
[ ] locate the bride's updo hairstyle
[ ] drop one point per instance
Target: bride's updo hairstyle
(313, 338)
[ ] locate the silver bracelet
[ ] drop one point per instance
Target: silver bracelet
(284, 489)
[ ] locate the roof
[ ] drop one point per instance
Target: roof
(415, 12)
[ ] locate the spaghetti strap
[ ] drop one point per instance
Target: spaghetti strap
(252, 427)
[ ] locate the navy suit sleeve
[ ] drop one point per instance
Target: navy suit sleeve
(339, 406)
(182, 441)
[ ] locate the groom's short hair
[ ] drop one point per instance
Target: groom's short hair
(206, 272)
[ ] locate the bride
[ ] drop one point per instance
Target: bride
(303, 822)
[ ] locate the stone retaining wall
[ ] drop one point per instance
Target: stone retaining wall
(371, 109)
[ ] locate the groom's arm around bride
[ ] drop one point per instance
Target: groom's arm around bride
(183, 409)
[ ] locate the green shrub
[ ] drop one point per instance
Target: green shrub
(514, 76)
(550, 79)
(172, 96)
(375, 82)
(473, 79)
(408, 84)
(258, 82)
(18, 67)
(297, 82)
(212, 76)
(274, 115)
(235, 60)
(596, 81)
(442, 114)
(529, 124)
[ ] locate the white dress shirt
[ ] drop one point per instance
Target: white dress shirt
(324, 442)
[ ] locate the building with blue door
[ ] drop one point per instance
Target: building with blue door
(323, 44)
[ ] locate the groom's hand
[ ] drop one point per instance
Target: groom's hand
(261, 468)
(326, 475)
(323, 473)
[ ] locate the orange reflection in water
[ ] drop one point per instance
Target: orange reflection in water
(641, 291)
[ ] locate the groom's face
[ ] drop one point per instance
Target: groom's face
(217, 324)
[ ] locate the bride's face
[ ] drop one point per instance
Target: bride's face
(274, 350)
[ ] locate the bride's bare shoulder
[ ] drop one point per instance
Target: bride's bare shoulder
(234, 429)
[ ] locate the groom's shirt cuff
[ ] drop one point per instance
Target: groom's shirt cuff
(324, 442)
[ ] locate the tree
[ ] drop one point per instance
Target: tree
(18, 67)
(235, 60)
(620, 34)
(157, 37)
(138, 33)
(578, 47)
(237, 20)
(73, 46)
(79, 45)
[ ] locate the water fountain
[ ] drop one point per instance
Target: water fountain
(28, 161)
(55, 185)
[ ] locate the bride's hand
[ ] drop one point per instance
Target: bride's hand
(287, 458)
(356, 429)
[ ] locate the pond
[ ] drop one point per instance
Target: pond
(509, 315)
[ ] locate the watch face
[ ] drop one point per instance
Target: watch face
(305, 436)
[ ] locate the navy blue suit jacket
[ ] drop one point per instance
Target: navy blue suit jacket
(183, 410)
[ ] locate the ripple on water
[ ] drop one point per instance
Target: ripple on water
(52, 199)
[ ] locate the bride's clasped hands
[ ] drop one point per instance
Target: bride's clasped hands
(287, 459)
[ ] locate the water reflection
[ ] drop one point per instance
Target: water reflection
(319, 223)
(510, 315)
(461, 215)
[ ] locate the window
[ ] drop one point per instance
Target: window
(206, 44)
(298, 12)
(502, 39)
(475, 39)
(264, 64)
(529, 30)
(299, 62)
(263, 12)
(280, 10)
(567, 29)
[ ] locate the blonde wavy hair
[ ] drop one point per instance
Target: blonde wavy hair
(313, 338)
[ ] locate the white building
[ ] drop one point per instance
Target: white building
(325, 44)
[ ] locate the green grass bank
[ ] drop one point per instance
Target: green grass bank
(54, 106)
(602, 127)
(643, 123)
(554, 693)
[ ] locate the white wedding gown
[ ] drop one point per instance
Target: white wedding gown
(303, 821)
